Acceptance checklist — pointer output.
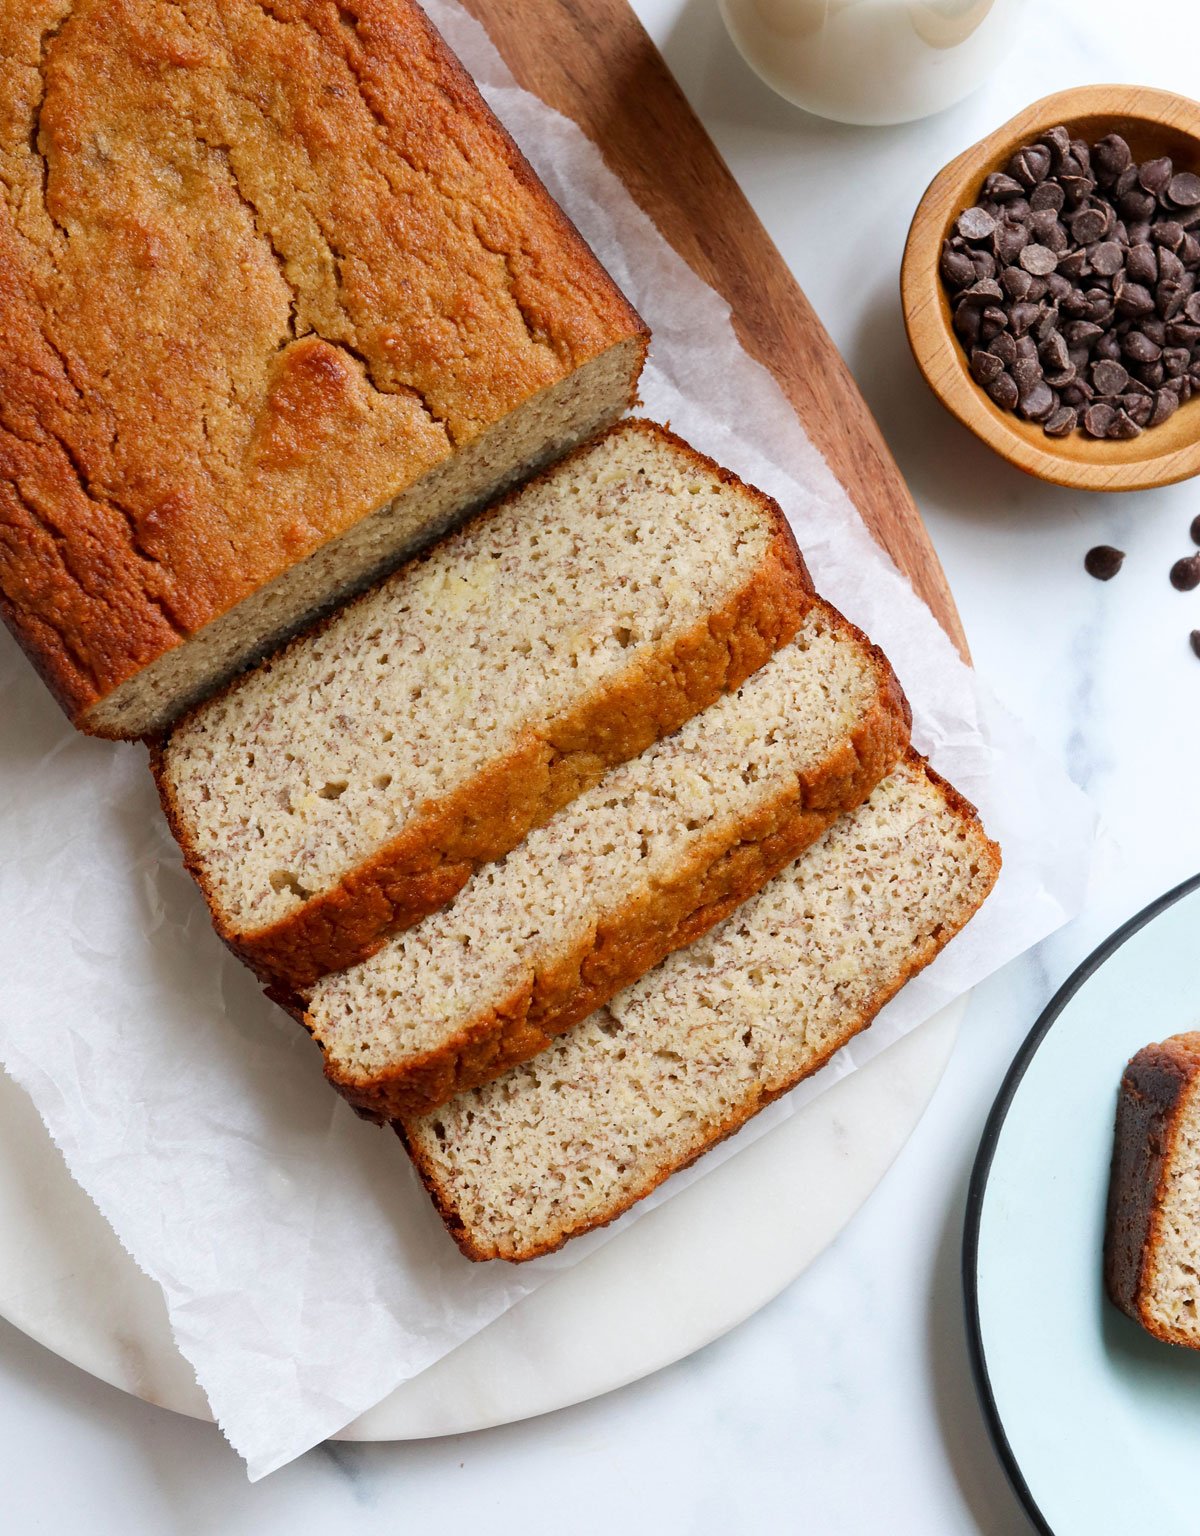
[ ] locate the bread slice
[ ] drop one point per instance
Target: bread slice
(280, 300)
(642, 863)
(680, 1060)
(351, 785)
(1152, 1243)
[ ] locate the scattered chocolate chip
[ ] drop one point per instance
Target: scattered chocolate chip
(1185, 573)
(1194, 530)
(1103, 562)
(1195, 639)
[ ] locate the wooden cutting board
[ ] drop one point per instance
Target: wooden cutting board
(592, 60)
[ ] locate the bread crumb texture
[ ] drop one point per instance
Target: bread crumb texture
(550, 627)
(264, 264)
(608, 885)
(683, 1057)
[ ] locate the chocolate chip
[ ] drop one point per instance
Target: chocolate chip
(1139, 347)
(1030, 165)
(1037, 403)
(1124, 427)
(956, 268)
(1184, 189)
(999, 188)
(975, 224)
(985, 366)
(1106, 257)
(1110, 156)
(1038, 260)
(1170, 268)
(1194, 530)
(1103, 561)
(1098, 418)
(1061, 422)
(1109, 378)
(1004, 392)
(1185, 573)
(1015, 281)
(1156, 174)
(1166, 403)
(1195, 639)
(1087, 226)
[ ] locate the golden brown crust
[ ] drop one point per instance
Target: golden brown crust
(1155, 1087)
(712, 1135)
(263, 265)
(724, 872)
(427, 865)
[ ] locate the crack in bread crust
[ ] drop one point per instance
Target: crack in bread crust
(141, 315)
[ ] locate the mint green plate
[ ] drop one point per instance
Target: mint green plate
(1098, 1424)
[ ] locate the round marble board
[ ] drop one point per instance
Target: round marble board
(667, 1285)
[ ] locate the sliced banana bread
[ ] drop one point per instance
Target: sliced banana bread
(680, 1060)
(1152, 1246)
(351, 784)
(643, 862)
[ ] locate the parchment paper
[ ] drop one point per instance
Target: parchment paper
(305, 1271)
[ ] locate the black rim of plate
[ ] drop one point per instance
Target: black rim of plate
(983, 1166)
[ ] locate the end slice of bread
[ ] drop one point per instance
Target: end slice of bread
(351, 784)
(1152, 1242)
(642, 863)
(570, 1140)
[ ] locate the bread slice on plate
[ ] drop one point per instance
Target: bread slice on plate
(663, 847)
(1152, 1244)
(280, 301)
(570, 1140)
(351, 784)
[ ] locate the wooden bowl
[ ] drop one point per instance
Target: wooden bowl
(1155, 123)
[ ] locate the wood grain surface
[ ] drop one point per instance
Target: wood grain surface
(592, 60)
(1154, 123)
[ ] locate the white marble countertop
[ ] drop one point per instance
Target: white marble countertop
(846, 1405)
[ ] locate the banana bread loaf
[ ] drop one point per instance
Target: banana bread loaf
(683, 1058)
(658, 851)
(1152, 1244)
(352, 783)
(279, 301)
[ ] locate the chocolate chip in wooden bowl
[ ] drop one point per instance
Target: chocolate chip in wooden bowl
(1185, 573)
(1082, 259)
(1103, 562)
(976, 224)
(1184, 189)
